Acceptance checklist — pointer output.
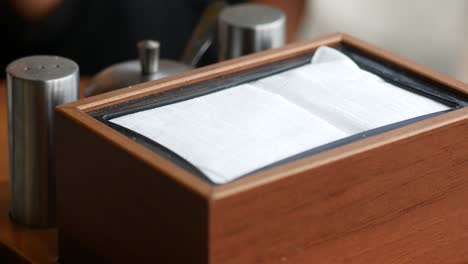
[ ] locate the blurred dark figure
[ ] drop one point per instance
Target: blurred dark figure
(97, 33)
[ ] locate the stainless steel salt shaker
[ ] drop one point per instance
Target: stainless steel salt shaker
(36, 85)
(249, 28)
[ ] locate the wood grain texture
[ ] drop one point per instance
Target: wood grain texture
(397, 197)
(161, 216)
(399, 203)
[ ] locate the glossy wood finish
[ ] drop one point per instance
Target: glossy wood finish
(398, 197)
(19, 244)
(34, 246)
(372, 207)
(130, 192)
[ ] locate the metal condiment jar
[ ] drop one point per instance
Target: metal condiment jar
(129, 73)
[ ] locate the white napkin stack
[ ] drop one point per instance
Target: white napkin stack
(238, 130)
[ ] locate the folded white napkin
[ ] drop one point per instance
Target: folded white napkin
(238, 130)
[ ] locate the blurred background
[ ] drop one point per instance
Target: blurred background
(430, 32)
(99, 33)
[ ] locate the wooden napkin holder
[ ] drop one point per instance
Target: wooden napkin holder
(397, 194)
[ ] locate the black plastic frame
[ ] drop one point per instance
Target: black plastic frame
(394, 74)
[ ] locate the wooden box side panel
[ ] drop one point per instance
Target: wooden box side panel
(112, 207)
(404, 202)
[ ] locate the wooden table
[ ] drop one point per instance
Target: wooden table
(19, 244)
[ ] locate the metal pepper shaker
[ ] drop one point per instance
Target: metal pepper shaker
(249, 28)
(36, 85)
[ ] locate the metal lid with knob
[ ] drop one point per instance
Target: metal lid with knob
(150, 67)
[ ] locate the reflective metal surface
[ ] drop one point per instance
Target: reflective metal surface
(129, 73)
(249, 28)
(148, 50)
(36, 85)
